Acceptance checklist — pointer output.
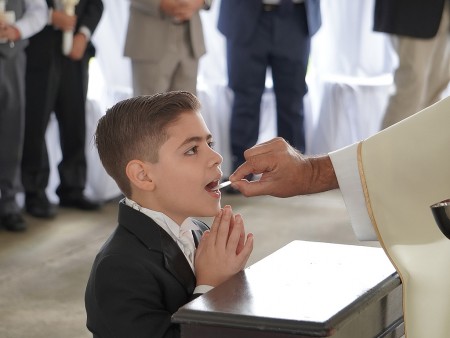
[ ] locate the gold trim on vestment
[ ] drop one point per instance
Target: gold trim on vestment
(374, 222)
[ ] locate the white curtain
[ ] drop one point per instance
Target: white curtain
(351, 75)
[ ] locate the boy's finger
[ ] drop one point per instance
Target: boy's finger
(234, 237)
(215, 225)
(232, 223)
(224, 226)
(241, 243)
(203, 242)
(247, 250)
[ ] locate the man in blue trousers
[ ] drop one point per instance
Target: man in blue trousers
(262, 34)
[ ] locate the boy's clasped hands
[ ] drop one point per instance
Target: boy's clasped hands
(224, 250)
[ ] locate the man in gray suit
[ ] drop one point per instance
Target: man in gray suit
(165, 41)
(30, 18)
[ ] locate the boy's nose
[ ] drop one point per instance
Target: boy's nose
(217, 159)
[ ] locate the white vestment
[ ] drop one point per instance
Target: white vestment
(403, 170)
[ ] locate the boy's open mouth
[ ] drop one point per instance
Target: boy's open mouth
(212, 186)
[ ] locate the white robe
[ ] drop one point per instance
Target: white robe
(403, 170)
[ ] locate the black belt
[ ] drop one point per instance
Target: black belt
(268, 7)
(273, 7)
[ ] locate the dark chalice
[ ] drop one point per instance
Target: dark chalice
(441, 213)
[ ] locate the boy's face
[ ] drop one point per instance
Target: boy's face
(186, 171)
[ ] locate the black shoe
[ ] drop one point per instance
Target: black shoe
(13, 222)
(38, 205)
(79, 202)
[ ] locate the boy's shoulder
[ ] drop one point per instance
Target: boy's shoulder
(134, 234)
(121, 242)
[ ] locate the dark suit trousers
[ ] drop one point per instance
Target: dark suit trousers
(281, 42)
(56, 84)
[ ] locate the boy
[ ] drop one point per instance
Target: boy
(159, 151)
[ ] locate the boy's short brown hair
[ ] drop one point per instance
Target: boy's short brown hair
(136, 128)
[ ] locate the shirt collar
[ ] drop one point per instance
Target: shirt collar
(164, 221)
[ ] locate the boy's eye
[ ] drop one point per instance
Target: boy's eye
(192, 151)
(211, 144)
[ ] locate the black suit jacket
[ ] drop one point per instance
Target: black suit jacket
(138, 280)
(43, 44)
(414, 18)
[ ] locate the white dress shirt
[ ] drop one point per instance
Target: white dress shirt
(33, 19)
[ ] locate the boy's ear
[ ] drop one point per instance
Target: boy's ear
(139, 174)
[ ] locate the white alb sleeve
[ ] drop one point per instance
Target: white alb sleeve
(345, 163)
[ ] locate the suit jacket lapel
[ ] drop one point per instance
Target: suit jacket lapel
(176, 262)
(155, 238)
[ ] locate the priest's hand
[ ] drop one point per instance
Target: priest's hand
(285, 172)
(224, 250)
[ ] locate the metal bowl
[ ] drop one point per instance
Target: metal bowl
(441, 213)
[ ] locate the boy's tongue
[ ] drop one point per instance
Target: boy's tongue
(212, 186)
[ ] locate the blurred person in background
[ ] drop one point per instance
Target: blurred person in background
(58, 83)
(419, 31)
(262, 34)
(165, 42)
(19, 19)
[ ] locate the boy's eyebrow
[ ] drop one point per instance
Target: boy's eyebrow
(195, 139)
